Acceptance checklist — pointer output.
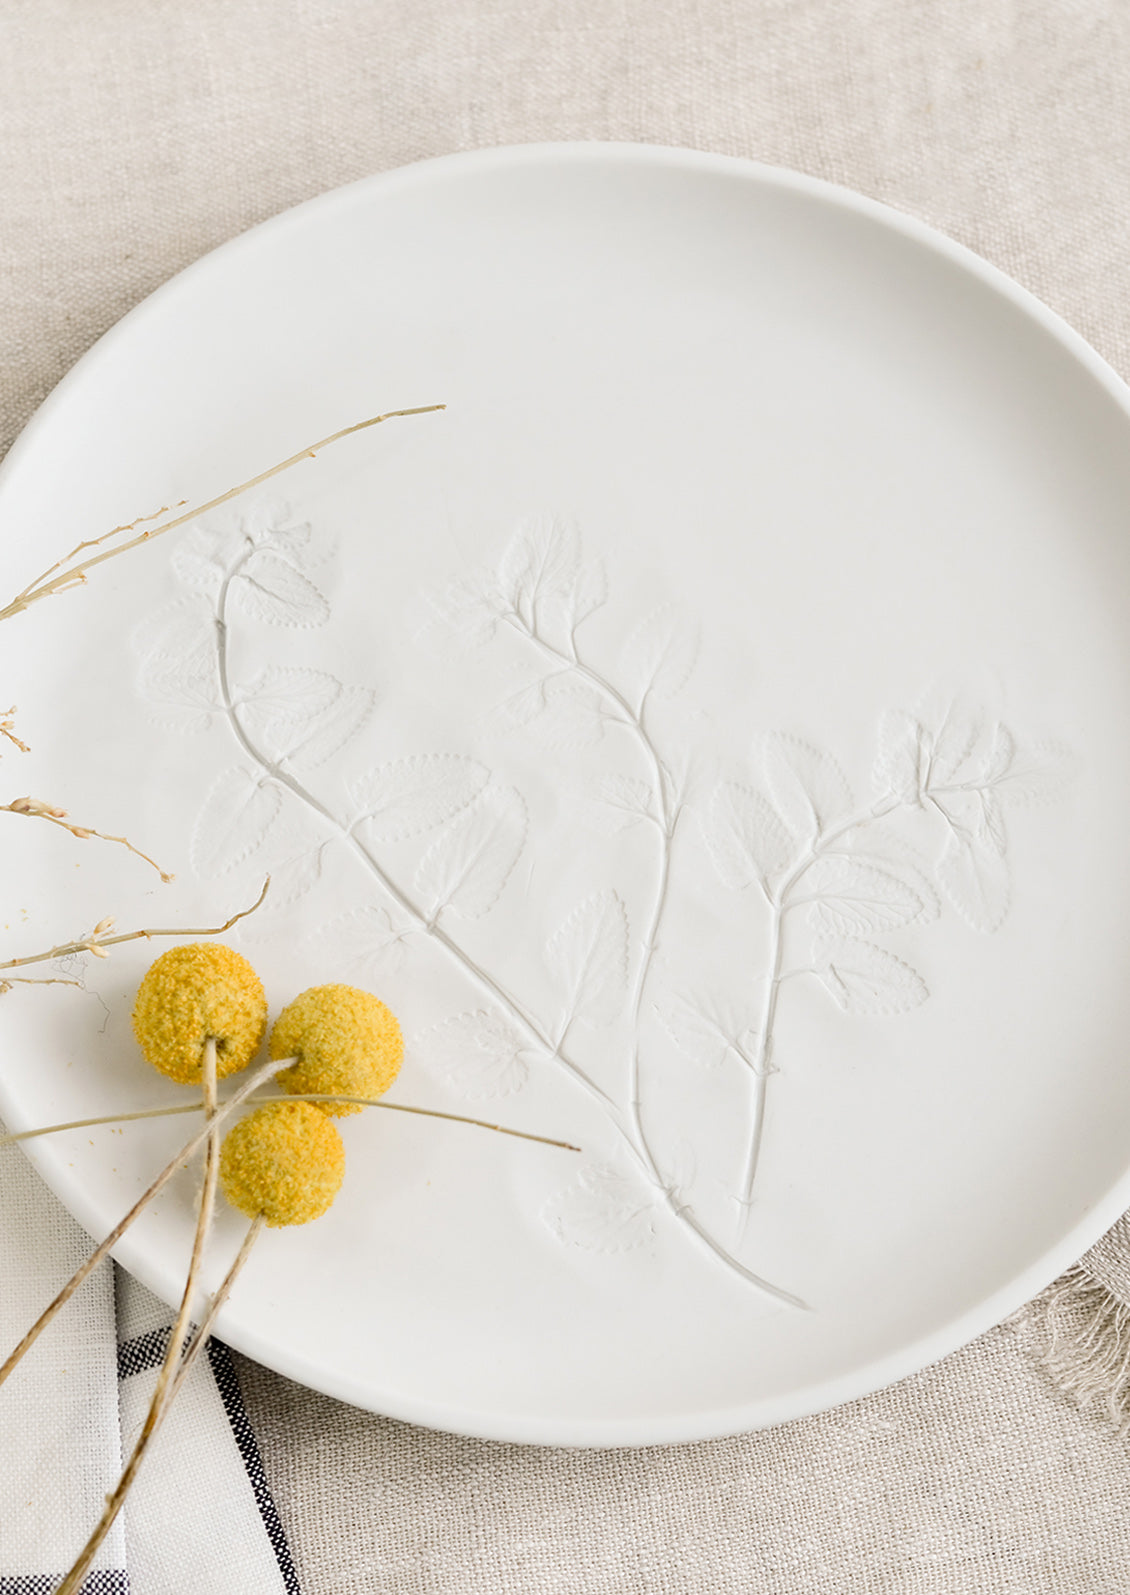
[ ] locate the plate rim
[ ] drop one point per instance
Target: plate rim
(712, 1423)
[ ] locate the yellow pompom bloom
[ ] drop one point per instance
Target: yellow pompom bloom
(193, 992)
(285, 1160)
(346, 1041)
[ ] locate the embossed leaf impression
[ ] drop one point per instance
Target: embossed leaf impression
(238, 813)
(746, 836)
(706, 1029)
(604, 1210)
(405, 797)
(857, 896)
(865, 979)
(590, 953)
(562, 713)
(368, 940)
(478, 1054)
(629, 798)
(270, 588)
(809, 790)
(470, 861)
(302, 717)
(541, 561)
(660, 654)
(176, 651)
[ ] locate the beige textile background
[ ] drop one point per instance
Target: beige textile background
(134, 137)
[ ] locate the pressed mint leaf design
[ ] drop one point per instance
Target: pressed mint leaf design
(588, 593)
(631, 798)
(470, 607)
(238, 813)
(900, 762)
(405, 797)
(865, 979)
(478, 1054)
(604, 1210)
(561, 712)
(1036, 775)
(808, 788)
(365, 939)
(855, 896)
(590, 953)
(706, 1029)
(541, 561)
(470, 861)
(176, 653)
(746, 836)
(974, 874)
(271, 589)
(293, 877)
(572, 715)
(660, 654)
(797, 836)
(309, 746)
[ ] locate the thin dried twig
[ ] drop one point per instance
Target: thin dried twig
(98, 941)
(142, 1202)
(58, 579)
(35, 808)
(96, 542)
(157, 1412)
(361, 1102)
(8, 729)
(34, 980)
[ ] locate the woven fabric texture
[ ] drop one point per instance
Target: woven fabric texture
(135, 138)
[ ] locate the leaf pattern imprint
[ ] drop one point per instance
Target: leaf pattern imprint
(855, 896)
(865, 979)
(590, 952)
(603, 1210)
(470, 861)
(477, 1054)
(238, 812)
(661, 653)
(807, 786)
(745, 835)
(271, 589)
(405, 797)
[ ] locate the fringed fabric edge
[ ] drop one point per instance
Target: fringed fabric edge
(1087, 1346)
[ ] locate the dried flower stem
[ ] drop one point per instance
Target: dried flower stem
(34, 808)
(157, 1413)
(58, 579)
(97, 941)
(8, 729)
(361, 1102)
(142, 1202)
(161, 1390)
(96, 542)
(34, 980)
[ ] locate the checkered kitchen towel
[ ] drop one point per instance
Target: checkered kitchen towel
(200, 1516)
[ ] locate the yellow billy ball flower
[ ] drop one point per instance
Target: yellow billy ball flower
(193, 992)
(347, 1043)
(285, 1160)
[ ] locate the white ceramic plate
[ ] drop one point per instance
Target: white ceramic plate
(845, 512)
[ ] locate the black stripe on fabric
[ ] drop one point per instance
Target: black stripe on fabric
(227, 1383)
(142, 1352)
(103, 1581)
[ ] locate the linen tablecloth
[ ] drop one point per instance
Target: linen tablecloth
(133, 139)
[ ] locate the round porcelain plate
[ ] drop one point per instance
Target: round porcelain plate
(708, 734)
